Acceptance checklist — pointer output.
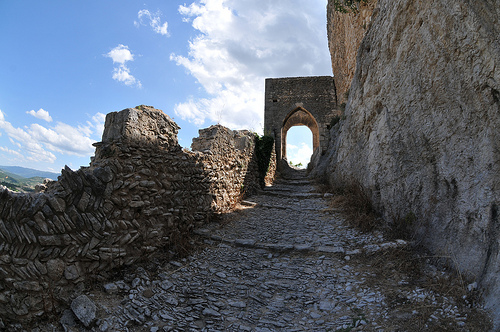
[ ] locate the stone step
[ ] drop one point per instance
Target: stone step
(254, 244)
(298, 182)
(291, 194)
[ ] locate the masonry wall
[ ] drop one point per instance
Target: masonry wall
(141, 192)
(316, 95)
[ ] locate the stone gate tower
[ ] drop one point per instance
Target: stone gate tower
(299, 101)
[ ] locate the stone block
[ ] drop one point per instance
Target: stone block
(84, 309)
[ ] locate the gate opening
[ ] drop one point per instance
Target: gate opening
(299, 146)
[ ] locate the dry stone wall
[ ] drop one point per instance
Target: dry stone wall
(141, 192)
(421, 129)
(235, 177)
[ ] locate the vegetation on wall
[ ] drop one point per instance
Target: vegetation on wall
(263, 150)
(333, 121)
(347, 6)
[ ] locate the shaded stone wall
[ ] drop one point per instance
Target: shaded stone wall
(141, 192)
(421, 129)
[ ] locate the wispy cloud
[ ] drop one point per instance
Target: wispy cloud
(121, 55)
(240, 43)
(39, 143)
(41, 114)
(12, 152)
(154, 21)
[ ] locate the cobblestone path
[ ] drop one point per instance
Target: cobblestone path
(284, 262)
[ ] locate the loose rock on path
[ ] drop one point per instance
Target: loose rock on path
(286, 261)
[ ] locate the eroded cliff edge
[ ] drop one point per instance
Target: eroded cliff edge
(421, 128)
(345, 32)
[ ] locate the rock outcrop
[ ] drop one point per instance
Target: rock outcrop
(421, 130)
(345, 32)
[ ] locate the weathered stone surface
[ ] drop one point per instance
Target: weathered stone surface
(71, 272)
(84, 309)
(421, 128)
(104, 174)
(55, 268)
(345, 32)
(68, 321)
(226, 287)
(57, 203)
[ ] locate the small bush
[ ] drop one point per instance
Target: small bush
(347, 6)
(402, 228)
(342, 107)
(263, 150)
(333, 122)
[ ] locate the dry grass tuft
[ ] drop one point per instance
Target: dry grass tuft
(414, 265)
(420, 270)
(353, 201)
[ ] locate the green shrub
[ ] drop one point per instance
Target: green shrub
(347, 6)
(333, 122)
(342, 107)
(263, 150)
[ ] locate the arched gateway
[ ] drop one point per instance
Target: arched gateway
(299, 101)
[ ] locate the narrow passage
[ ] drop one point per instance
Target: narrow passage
(285, 261)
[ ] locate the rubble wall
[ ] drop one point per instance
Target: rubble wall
(141, 192)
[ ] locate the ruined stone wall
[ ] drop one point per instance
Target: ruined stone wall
(235, 177)
(141, 192)
(345, 32)
(421, 129)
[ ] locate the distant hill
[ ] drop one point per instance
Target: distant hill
(22, 179)
(27, 172)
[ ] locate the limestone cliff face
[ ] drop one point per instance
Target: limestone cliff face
(345, 32)
(422, 127)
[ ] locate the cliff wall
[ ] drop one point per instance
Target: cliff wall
(140, 193)
(421, 128)
(345, 32)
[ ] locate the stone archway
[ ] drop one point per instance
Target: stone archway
(299, 117)
(292, 101)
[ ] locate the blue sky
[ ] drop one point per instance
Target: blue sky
(65, 64)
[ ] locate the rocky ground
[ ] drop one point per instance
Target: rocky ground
(285, 261)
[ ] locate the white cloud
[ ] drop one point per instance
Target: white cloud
(242, 42)
(122, 74)
(154, 21)
(97, 124)
(120, 55)
(297, 154)
(39, 143)
(12, 152)
(41, 114)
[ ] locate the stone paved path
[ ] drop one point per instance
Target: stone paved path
(284, 262)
